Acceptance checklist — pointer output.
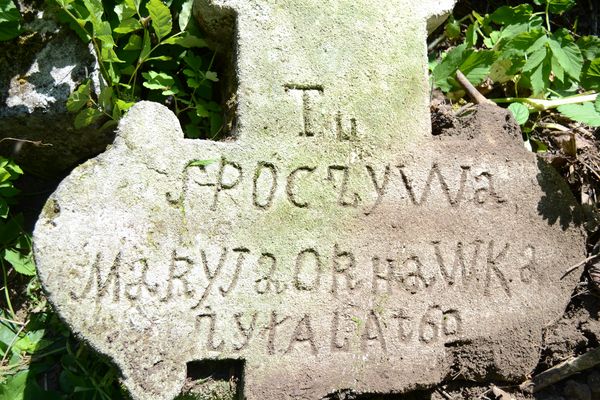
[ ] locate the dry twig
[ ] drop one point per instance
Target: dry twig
(477, 97)
(561, 371)
(33, 142)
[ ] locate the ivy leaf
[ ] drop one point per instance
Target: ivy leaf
(23, 264)
(520, 112)
(161, 18)
(79, 98)
(585, 113)
(86, 117)
(567, 53)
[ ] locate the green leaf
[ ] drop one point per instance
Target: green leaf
(535, 59)
(86, 117)
(567, 53)
(186, 41)
(125, 10)
(146, 47)
(133, 43)
(520, 112)
(447, 68)
(161, 18)
(10, 20)
(160, 81)
(540, 77)
(585, 113)
(211, 76)
(590, 75)
(23, 264)
(15, 386)
(452, 28)
(589, 47)
(512, 15)
(105, 97)
(597, 104)
(477, 65)
(560, 6)
(79, 98)
(200, 163)
(4, 209)
(185, 15)
(128, 25)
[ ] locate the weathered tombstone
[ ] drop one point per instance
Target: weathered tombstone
(334, 245)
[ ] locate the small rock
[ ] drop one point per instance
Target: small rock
(577, 391)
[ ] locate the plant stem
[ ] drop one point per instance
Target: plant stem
(548, 16)
(6, 294)
(542, 105)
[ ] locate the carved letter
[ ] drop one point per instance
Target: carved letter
(379, 188)
(246, 332)
(210, 275)
(343, 268)
(291, 186)
(335, 328)
(342, 201)
(210, 339)
(303, 333)
(372, 332)
(221, 181)
(102, 286)
(272, 328)
(180, 276)
(266, 203)
(492, 266)
(267, 283)
(300, 263)
(307, 107)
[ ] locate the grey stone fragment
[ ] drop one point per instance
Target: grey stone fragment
(38, 71)
(593, 381)
(335, 245)
(577, 391)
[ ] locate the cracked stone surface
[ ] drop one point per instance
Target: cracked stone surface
(335, 244)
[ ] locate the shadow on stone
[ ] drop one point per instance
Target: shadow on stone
(222, 379)
(557, 205)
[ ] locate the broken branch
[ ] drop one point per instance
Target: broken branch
(561, 371)
(477, 97)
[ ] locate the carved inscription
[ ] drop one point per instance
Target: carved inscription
(354, 187)
(475, 265)
(281, 333)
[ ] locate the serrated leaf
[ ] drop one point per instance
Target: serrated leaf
(79, 98)
(477, 65)
(567, 53)
(128, 25)
(525, 42)
(125, 10)
(511, 15)
(452, 28)
(589, 47)
(185, 14)
(447, 68)
(540, 77)
(161, 18)
(86, 117)
(585, 113)
(23, 264)
(557, 68)
(535, 59)
(520, 112)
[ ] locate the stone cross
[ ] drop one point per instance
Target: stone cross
(335, 244)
